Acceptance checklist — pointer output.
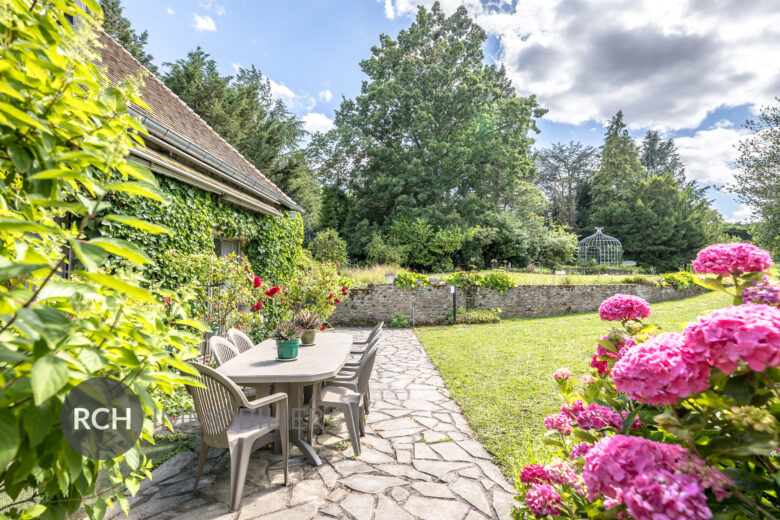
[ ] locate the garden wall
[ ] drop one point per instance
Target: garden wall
(430, 305)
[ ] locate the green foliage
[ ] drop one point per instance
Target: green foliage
(468, 281)
(118, 27)
(411, 281)
(64, 141)
(679, 280)
(328, 246)
(759, 176)
(317, 288)
(166, 446)
(175, 402)
(398, 321)
(498, 280)
(193, 215)
(474, 316)
(430, 164)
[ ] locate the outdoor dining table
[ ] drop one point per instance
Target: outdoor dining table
(259, 368)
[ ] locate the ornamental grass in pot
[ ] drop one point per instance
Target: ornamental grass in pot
(288, 337)
(310, 323)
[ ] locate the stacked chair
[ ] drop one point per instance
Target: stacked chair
(222, 350)
(240, 340)
(229, 420)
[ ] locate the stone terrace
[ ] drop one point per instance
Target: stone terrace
(418, 461)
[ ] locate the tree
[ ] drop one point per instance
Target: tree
(560, 170)
(659, 156)
(758, 180)
(436, 138)
(328, 246)
(118, 27)
(243, 111)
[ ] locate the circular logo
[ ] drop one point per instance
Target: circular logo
(102, 418)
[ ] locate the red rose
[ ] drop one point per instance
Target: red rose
(322, 328)
(330, 296)
(273, 290)
(257, 282)
(344, 290)
(337, 300)
(258, 305)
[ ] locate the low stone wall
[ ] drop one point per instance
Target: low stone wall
(430, 305)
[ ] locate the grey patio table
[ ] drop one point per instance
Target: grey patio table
(259, 369)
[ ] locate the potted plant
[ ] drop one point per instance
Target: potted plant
(288, 337)
(310, 323)
(389, 277)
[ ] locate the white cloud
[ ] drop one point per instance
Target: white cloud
(709, 155)
(170, 11)
(325, 95)
(219, 9)
(744, 213)
(316, 122)
(236, 66)
(290, 98)
(665, 63)
(203, 23)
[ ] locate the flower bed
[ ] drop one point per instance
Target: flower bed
(672, 426)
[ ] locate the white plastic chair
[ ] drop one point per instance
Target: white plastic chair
(358, 347)
(222, 350)
(229, 420)
(241, 341)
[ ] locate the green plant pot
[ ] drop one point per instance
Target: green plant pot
(308, 336)
(214, 332)
(287, 349)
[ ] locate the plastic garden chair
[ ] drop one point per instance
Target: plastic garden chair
(222, 350)
(362, 346)
(229, 420)
(347, 396)
(241, 341)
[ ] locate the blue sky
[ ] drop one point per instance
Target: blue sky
(687, 68)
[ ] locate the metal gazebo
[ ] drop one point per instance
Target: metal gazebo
(602, 248)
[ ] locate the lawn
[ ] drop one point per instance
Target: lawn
(501, 374)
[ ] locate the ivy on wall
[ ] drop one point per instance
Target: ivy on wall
(273, 244)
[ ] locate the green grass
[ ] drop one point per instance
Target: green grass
(501, 374)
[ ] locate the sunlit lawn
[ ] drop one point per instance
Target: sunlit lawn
(500, 374)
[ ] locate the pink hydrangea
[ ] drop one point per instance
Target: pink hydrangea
(558, 422)
(562, 472)
(543, 500)
(624, 307)
(749, 332)
(600, 362)
(766, 291)
(661, 371)
(727, 259)
(562, 374)
(535, 473)
(636, 425)
(579, 450)
(661, 494)
(594, 416)
(574, 410)
(613, 462)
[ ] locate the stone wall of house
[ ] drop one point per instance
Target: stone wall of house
(430, 305)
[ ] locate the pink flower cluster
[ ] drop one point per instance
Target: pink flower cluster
(766, 291)
(559, 422)
(599, 359)
(535, 473)
(543, 500)
(562, 472)
(653, 479)
(749, 332)
(592, 417)
(661, 371)
(579, 450)
(624, 307)
(562, 374)
(727, 259)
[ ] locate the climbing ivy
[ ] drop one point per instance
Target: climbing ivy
(273, 244)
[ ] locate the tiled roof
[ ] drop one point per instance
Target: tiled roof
(166, 109)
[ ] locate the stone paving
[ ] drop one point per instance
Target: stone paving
(418, 461)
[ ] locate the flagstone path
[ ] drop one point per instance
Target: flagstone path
(418, 461)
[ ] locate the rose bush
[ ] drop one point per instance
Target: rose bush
(676, 425)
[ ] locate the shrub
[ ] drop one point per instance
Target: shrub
(328, 246)
(465, 280)
(498, 280)
(411, 281)
(680, 425)
(317, 288)
(679, 280)
(474, 316)
(379, 252)
(637, 280)
(398, 321)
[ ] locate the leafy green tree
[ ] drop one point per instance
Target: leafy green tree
(243, 111)
(119, 28)
(659, 156)
(434, 140)
(560, 170)
(65, 315)
(758, 180)
(328, 246)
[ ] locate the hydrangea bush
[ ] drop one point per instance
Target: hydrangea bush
(672, 425)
